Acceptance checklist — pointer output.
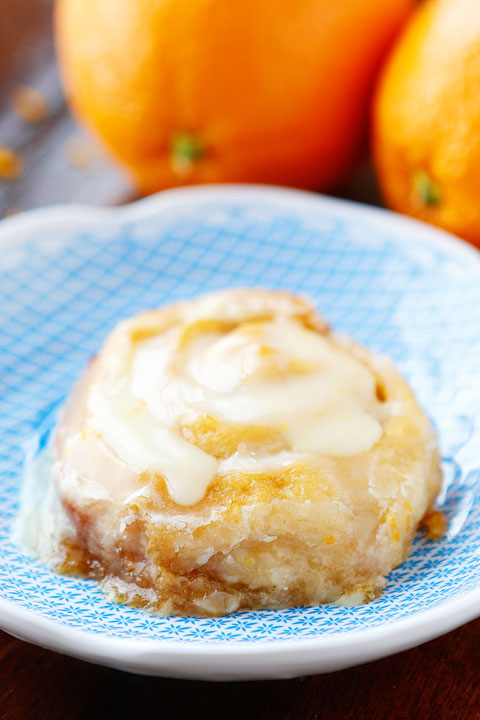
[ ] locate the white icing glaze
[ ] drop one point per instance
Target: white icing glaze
(274, 373)
(148, 445)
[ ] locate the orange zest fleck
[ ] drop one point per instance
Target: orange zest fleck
(29, 104)
(11, 164)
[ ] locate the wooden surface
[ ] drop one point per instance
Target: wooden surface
(438, 680)
(60, 163)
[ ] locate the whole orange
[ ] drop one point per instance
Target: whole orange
(426, 130)
(187, 91)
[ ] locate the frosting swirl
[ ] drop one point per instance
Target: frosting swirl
(239, 379)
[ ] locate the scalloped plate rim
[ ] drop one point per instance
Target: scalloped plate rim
(246, 659)
(175, 197)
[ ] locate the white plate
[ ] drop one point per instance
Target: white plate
(68, 274)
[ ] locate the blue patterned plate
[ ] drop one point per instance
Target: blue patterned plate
(67, 275)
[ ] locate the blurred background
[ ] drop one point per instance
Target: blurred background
(53, 160)
(47, 157)
(369, 100)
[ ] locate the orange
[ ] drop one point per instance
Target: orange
(426, 130)
(189, 91)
